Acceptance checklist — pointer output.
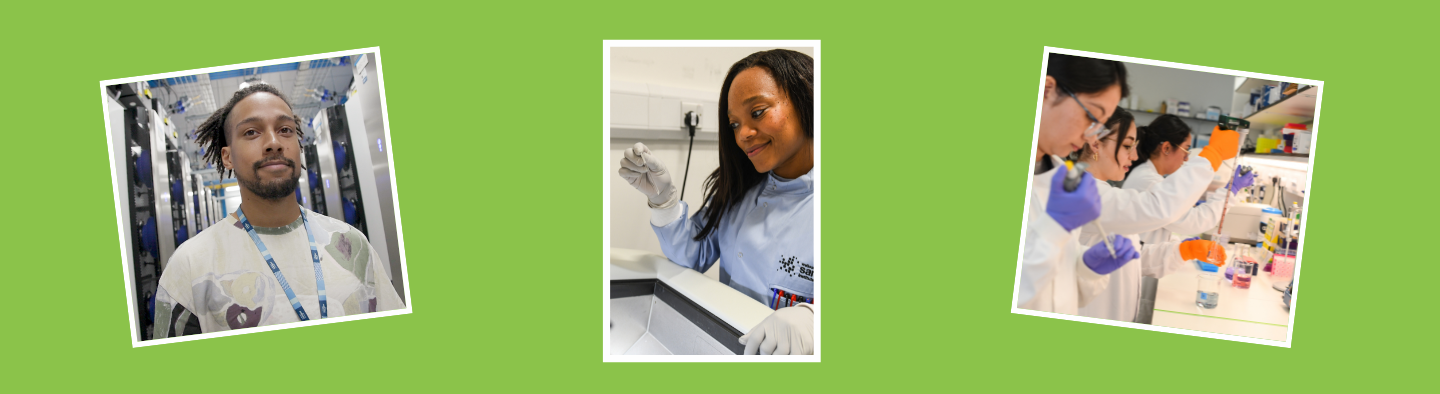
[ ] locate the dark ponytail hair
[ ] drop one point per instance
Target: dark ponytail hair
(1119, 125)
(1166, 128)
(726, 187)
(1086, 75)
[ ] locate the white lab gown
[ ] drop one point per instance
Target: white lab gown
(1129, 213)
(1198, 220)
(1052, 276)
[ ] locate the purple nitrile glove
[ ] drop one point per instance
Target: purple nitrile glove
(1099, 260)
(1073, 209)
(1241, 181)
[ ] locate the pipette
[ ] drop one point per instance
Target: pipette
(1072, 181)
(1221, 238)
(1105, 236)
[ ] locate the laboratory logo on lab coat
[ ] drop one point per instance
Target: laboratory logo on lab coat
(793, 267)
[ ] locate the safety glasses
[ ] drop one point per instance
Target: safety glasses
(1097, 128)
(1134, 148)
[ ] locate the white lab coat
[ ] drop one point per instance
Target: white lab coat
(1129, 213)
(1052, 276)
(1198, 220)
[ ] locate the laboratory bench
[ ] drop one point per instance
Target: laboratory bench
(1257, 312)
(660, 308)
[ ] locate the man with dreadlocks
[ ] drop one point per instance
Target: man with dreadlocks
(271, 261)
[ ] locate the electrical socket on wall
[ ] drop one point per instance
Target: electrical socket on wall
(698, 108)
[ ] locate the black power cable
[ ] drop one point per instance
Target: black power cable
(691, 120)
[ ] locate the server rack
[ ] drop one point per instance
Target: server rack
(351, 200)
(316, 186)
(140, 193)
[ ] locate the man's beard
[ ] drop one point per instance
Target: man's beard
(272, 190)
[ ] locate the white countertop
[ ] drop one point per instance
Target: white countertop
(1257, 312)
(732, 306)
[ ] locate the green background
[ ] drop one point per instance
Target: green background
(927, 122)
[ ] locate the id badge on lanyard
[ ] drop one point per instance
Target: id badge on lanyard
(275, 269)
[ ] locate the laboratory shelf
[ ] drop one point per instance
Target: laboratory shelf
(1306, 155)
(1199, 126)
(1255, 83)
(1297, 108)
(1157, 114)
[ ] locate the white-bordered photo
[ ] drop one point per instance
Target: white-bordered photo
(726, 263)
(1167, 197)
(255, 197)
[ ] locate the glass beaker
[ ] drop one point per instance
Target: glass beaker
(1207, 290)
(1231, 257)
(1242, 274)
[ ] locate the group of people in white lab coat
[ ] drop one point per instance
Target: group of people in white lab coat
(1066, 265)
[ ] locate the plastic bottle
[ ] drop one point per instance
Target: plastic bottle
(1282, 243)
(1259, 247)
(1207, 291)
(1292, 250)
(1292, 244)
(1297, 137)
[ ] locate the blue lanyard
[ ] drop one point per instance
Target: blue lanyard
(314, 255)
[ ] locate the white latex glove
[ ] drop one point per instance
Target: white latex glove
(647, 174)
(789, 330)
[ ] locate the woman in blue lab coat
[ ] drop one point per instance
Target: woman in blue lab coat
(758, 219)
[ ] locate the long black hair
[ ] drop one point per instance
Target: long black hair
(1166, 128)
(1119, 125)
(1086, 75)
(211, 133)
(726, 187)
